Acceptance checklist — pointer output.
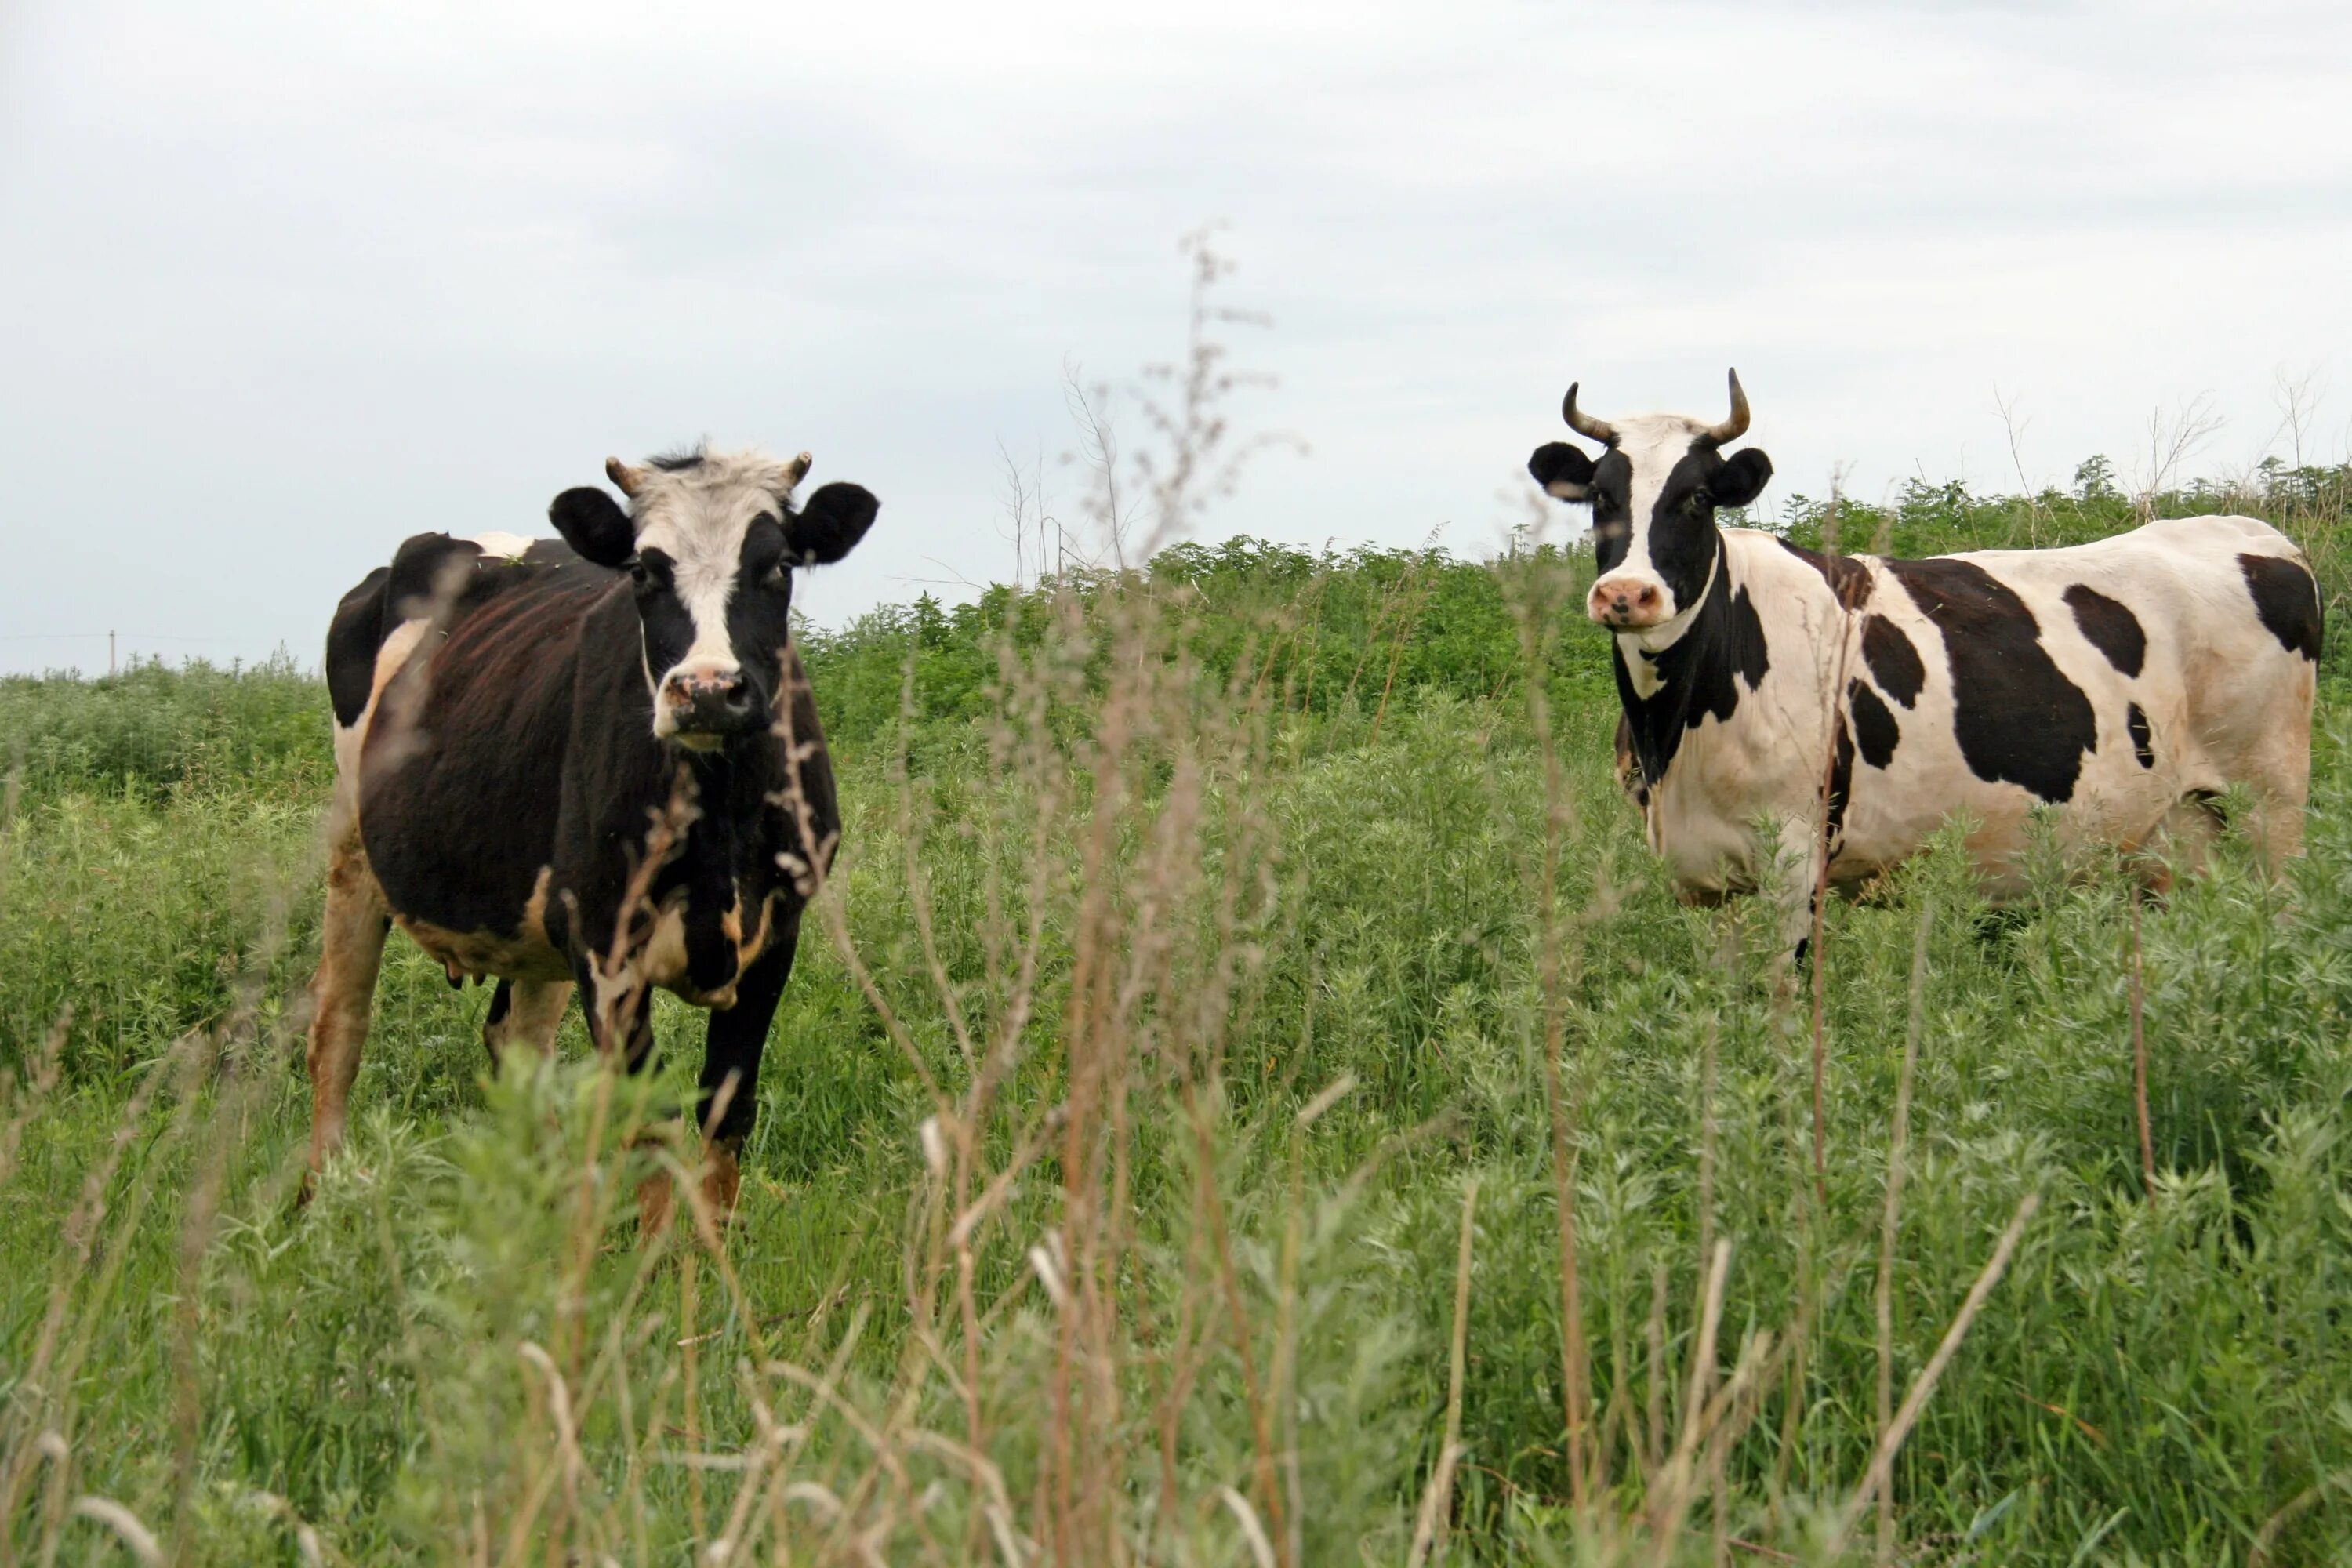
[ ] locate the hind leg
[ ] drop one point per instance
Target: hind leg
(2183, 840)
(343, 992)
(2275, 823)
(524, 1016)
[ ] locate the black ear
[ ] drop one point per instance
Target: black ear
(594, 524)
(1563, 470)
(1741, 478)
(828, 527)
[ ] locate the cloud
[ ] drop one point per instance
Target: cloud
(291, 282)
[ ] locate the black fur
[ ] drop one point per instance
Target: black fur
(353, 637)
(1849, 579)
(2017, 717)
(1629, 766)
(1701, 674)
(1893, 663)
(830, 523)
(1741, 478)
(1559, 465)
(1874, 724)
(520, 744)
(1681, 529)
(2287, 600)
(468, 745)
(2143, 738)
(1841, 784)
(594, 524)
(2110, 628)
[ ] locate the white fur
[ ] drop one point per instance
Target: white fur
(500, 544)
(698, 516)
(2227, 704)
(1652, 444)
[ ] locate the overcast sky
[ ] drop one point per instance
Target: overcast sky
(285, 283)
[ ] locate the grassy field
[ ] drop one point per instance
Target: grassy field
(1250, 1099)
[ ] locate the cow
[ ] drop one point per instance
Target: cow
(1791, 719)
(591, 766)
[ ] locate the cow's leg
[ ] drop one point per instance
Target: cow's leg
(2184, 839)
(343, 992)
(2274, 820)
(1793, 880)
(621, 1019)
(729, 1100)
(620, 1014)
(524, 1014)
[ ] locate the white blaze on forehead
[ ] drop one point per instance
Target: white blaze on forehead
(697, 515)
(1652, 444)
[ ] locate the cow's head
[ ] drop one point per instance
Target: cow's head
(709, 541)
(1653, 493)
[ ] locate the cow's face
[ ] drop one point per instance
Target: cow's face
(1654, 491)
(710, 541)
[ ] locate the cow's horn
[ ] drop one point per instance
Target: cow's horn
(628, 480)
(1585, 425)
(1733, 428)
(796, 470)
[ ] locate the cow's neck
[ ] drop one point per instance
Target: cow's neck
(1671, 677)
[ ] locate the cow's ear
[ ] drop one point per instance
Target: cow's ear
(1563, 470)
(1741, 478)
(594, 524)
(829, 525)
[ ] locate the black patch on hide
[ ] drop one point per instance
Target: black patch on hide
(2287, 600)
(1848, 579)
(2017, 717)
(1894, 662)
(2110, 628)
(1700, 675)
(1874, 724)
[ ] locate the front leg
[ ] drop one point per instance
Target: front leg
(619, 1008)
(729, 1100)
(1791, 855)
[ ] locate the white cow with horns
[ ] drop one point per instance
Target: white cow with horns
(1858, 703)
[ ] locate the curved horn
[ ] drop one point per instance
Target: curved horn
(1585, 425)
(1733, 428)
(628, 480)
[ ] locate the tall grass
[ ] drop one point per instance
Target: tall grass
(1247, 1096)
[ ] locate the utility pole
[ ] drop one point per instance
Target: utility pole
(110, 651)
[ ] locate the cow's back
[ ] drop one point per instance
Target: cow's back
(452, 767)
(2118, 681)
(2224, 618)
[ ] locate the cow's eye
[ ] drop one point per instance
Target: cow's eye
(639, 576)
(780, 576)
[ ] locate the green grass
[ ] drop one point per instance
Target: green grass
(1260, 866)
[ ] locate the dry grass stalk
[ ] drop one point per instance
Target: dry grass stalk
(1541, 592)
(1897, 1149)
(1890, 1440)
(1850, 590)
(1437, 1498)
(2139, 988)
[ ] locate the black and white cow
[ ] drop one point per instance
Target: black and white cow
(513, 717)
(2127, 681)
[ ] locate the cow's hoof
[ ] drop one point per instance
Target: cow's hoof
(654, 1195)
(722, 1179)
(721, 1182)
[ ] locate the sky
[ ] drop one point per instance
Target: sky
(287, 284)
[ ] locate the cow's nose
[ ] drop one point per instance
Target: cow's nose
(708, 701)
(1625, 603)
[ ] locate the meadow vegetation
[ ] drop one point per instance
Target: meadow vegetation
(1250, 1096)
